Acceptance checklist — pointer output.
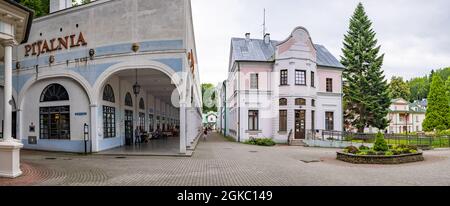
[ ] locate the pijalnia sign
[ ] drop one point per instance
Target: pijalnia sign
(44, 46)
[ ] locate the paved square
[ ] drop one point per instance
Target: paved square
(217, 162)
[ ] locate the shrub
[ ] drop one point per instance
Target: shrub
(362, 147)
(260, 142)
(380, 144)
(352, 150)
(371, 152)
(389, 153)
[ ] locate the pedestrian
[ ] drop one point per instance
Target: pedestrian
(205, 134)
(137, 134)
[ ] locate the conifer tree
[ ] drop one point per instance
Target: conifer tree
(366, 93)
(438, 110)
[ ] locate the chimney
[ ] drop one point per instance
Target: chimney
(267, 38)
(247, 36)
(58, 5)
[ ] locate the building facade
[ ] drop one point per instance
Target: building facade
(404, 117)
(100, 70)
(282, 89)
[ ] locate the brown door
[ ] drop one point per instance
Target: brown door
(300, 124)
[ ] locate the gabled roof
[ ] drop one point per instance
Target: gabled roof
(257, 50)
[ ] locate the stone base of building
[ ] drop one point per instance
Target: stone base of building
(10, 159)
(373, 159)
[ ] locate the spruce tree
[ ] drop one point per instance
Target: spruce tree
(366, 93)
(438, 111)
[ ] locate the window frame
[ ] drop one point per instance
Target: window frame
(328, 126)
(283, 102)
(298, 103)
(45, 130)
(329, 85)
(284, 77)
(299, 79)
(109, 122)
(254, 76)
(282, 121)
(313, 79)
(253, 115)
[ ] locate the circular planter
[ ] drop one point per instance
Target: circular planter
(376, 159)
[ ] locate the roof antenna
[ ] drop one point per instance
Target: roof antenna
(264, 23)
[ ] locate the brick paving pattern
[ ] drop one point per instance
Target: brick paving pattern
(218, 162)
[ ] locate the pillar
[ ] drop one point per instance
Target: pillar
(183, 128)
(9, 148)
(93, 129)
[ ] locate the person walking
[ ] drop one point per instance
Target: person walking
(137, 134)
(205, 134)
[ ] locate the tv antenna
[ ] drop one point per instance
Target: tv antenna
(264, 22)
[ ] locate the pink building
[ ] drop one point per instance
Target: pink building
(282, 89)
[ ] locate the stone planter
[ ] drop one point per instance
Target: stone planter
(376, 159)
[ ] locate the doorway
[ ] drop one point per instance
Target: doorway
(300, 124)
(128, 127)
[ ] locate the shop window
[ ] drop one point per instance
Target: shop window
(109, 122)
(54, 122)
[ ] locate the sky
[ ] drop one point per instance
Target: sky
(414, 35)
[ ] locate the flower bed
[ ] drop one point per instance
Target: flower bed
(381, 153)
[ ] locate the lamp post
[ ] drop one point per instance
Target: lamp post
(136, 91)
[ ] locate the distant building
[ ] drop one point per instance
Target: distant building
(405, 117)
(210, 120)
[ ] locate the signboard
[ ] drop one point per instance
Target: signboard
(55, 44)
(81, 114)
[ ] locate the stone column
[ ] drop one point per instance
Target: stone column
(93, 130)
(183, 128)
(9, 148)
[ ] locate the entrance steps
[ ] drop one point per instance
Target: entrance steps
(297, 142)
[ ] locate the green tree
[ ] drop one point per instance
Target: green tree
(438, 111)
(40, 7)
(419, 88)
(399, 89)
(366, 93)
(209, 98)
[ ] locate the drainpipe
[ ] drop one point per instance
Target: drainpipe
(225, 109)
(239, 102)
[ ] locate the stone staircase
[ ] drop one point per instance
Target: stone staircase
(297, 142)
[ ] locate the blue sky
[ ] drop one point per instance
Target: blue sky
(413, 34)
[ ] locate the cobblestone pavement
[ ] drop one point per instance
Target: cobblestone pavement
(217, 162)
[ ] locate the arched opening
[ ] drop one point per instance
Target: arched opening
(54, 120)
(146, 109)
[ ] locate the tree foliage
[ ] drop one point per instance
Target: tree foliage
(366, 93)
(40, 7)
(399, 89)
(438, 111)
(209, 98)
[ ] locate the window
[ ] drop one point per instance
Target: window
(329, 121)
(253, 120)
(313, 120)
(253, 81)
(109, 121)
(300, 102)
(283, 120)
(300, 77)
(151, 123)
(284, 77)
(313, 81)
(128, 100)
(53, 93)
(108, 94)
(158, 123)
(54, 122)
(142, 121)
(142, 104)
(283, 102)
(313, 102)
(329, 85)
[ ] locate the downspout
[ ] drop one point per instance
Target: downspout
(239, 102)
(225, 110)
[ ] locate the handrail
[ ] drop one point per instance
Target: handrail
(289, 137)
